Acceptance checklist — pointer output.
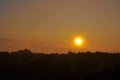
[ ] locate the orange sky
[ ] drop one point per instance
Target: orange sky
(51, 25)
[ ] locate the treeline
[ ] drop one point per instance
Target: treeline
(25, 65)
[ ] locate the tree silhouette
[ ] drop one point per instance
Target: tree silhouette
(25, 65)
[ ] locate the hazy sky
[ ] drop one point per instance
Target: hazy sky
(51, 25)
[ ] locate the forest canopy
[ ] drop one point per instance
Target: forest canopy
(26, 65)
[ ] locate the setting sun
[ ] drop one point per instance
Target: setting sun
(78, 41)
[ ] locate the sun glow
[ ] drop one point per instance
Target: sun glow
(78, 41)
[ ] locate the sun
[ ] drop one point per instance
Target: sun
(78, 41)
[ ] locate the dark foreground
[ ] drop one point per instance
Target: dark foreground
(25, 65)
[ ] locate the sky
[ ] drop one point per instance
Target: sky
(51, 25)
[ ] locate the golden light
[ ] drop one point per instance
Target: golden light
(78, 41)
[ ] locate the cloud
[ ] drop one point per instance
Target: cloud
(6, 40)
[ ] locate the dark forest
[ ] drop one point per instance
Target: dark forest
(26, 65)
